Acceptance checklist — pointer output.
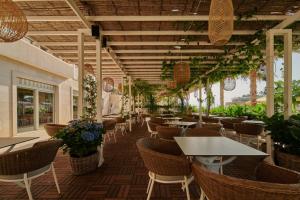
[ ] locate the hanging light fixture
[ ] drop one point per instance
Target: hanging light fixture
(182, 73)
(108, 84)
(13, 22)
(229, 84)
(171, 84)
(120, 87)
(89, 68)
(220, 24)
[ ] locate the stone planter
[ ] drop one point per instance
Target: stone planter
(84, 165)
(52, 129)
(287, 160)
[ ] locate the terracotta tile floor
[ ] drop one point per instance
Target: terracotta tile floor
(122, 176)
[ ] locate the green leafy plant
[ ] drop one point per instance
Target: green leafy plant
(81, 137)
(285, 133)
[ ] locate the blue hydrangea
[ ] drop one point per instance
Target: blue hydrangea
(88, 136)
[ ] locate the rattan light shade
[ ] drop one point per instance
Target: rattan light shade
(89, 68)
(171, 85)
(120, 87)
(13, 22)
(229, 84)
(108, 84)
(220, 24)
(182, 73)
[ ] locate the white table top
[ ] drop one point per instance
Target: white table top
(172, 118)
(180, 123)
(9, 141)
(254, 122)
(215, 146)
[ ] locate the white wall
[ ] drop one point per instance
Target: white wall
(22, 60)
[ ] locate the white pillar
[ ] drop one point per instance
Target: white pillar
(200, 101)
(80, 72)
(36, 116)
(99, 103)
(287, 101)
(270, 72)
(123, 82)
(222, 93)
(130, 103)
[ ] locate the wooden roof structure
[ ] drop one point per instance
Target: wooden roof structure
(142, 34)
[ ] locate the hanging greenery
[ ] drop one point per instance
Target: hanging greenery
(90, 97)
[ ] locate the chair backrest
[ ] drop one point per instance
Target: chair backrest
(22, 161)
(163, 157)
(229, 123)
(157, 120)
(120, 120)
(267, 172)
(153, 125)
(221, 187)
(213, 126)
(210, 119)
(168, 133)
(202, 132)
(248, 129)
(109, 124)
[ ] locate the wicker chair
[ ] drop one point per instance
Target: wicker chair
(210, 119)
(213, 126)
(165, 163)
(24, 165)
(157, 120)
(202, 132)
(151, 127)
(168, 133)
(272, 183)
(52, 129)
(250, 132)
(121, 125)
(229, 123)
(110, 126)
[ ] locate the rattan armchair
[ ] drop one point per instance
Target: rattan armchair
(110, 129)
(168, 133)
(24, 165)
(202, 132)
(272, 183)
(121, 125)
(210, 119)
(151, 127)
(165, 163)
(213, 126)
(250, 133)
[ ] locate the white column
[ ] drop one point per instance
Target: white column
(36, 116)
(130, 103)
(123, 82)
(270, 72)
(287, 101)
(222, 93)
(200, 101)
(80, 72)
(99, 78)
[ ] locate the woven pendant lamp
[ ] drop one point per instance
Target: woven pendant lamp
(220, 24)
(182, 73)
(13, 22)
(171, 84)
(108, 84)
(120, 87)
(89, 68)
(229, 84)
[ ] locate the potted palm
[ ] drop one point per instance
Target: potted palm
(81, 139)
(286, 137)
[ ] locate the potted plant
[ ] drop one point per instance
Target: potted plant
(81, 139)
(286, 137)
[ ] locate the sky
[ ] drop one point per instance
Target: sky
(242, 85)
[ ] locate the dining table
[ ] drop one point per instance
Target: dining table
(208, 149)
(11, 142)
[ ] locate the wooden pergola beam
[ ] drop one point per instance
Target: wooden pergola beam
(78, 13)
(149, 18)
(288, 21)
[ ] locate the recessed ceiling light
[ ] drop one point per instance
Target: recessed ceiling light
(276, 13)
(175, 10)
(182, 39)
(177, 47)
(195, 13)
(295, 7)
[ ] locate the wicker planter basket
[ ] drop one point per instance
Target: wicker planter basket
(288, 160)
(52, 129)
(85, 164)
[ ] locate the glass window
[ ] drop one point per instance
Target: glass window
(75, 107)
(46, 108)
(25, 110)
